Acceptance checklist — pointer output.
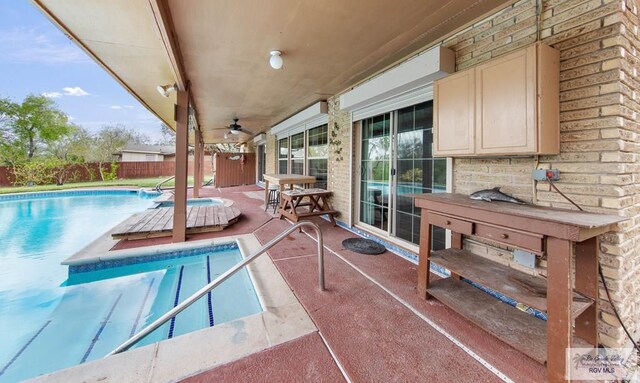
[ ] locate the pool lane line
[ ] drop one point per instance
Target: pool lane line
(102, 326)
(435, 326)
(211, 322)
(175, 302)
(17, 355)
(144, 303)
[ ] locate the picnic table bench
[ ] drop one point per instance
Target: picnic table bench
(297, 204)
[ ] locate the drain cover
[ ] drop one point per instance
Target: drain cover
(363, 246)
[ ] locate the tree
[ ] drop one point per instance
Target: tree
(74, 147)
(29, 127)
(110, 140)
(168, 136)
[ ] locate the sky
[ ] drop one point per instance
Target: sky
(37, 58)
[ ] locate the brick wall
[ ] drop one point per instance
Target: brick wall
(340, 181)
(598, 42)
(271, 148)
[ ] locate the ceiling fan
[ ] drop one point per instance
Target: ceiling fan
(236, 128)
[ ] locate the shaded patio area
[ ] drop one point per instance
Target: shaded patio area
(372, 326)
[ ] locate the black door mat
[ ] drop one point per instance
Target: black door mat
(363, 246)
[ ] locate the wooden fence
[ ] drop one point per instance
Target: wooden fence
(126, 170)
(233, 169)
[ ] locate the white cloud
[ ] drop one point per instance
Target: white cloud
(119, 107)
(29, 45)
(75, 91)
(52, 94)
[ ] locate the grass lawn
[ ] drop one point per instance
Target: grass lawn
(139, 182)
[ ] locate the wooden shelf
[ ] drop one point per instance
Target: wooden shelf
(522, 287)
(518, 329)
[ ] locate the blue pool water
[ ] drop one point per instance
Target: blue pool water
(48, 322)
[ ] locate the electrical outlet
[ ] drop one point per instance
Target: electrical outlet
(542, 174)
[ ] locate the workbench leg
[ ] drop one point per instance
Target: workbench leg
(559, 295)
(423, 258)
(587, 284)
(456, 243)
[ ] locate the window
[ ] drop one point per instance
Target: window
(317, 154)
(262, 161)
(306, 153)
(297, 153)
(283, 156)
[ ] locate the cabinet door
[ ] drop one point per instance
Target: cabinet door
(505, 104)
(454, 115)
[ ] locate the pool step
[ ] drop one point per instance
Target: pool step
(118, 326)
(103, 322)
(58, 340)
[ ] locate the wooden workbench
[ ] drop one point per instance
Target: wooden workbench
(285, 179)
(561, 235)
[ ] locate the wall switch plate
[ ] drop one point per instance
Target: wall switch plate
(524, 258)
(541, 174)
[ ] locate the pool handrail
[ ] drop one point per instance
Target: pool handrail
(159, 188)
(200, 293)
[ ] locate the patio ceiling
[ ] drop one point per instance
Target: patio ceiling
(222, 48)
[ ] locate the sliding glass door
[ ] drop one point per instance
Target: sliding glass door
(397, 161)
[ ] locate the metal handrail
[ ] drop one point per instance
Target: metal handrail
(200, 293)
(159, 185)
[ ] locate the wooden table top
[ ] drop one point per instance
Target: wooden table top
(306, 192)
(560, 223)
(289, 178)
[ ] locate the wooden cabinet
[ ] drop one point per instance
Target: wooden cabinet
(506, 106)
(455, 96)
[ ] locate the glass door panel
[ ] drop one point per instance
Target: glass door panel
(416, 170)
(375, 167)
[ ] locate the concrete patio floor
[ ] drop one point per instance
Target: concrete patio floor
(372, 326)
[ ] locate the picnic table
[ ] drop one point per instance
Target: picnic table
(297, 204)
(285, 179)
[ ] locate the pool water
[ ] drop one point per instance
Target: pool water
(48, 322)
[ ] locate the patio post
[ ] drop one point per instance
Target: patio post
(182, 141)
(202, 158)
(197, 163)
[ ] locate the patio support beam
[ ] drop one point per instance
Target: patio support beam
(182, 153)
(164, 22)
(197, 163)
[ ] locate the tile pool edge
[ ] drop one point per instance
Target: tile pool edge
(71, 192)
(99, 250)
(282, 320)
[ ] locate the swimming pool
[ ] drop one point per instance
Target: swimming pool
(48, 323)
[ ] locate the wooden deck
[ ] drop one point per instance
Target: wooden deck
(159, 222)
